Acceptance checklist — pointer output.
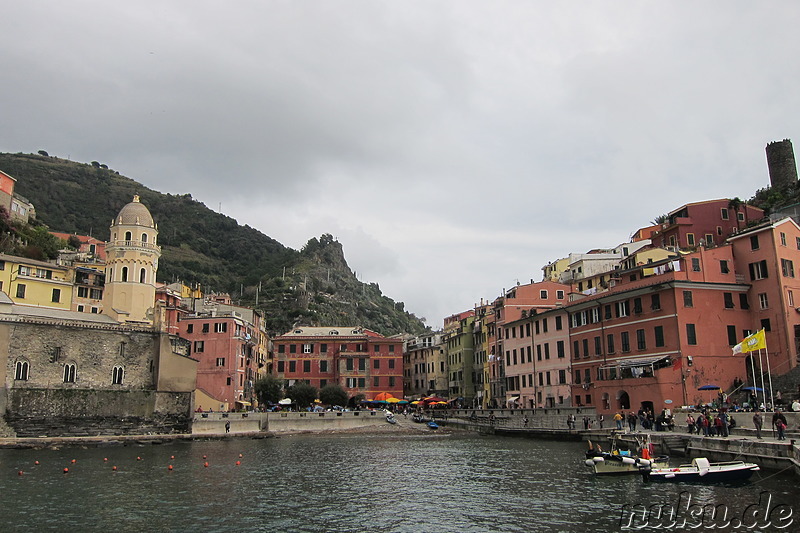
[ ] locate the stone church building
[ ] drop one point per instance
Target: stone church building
(120, 372)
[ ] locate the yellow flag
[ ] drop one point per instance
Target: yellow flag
(756, 341)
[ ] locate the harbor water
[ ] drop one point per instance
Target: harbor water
(425, 482)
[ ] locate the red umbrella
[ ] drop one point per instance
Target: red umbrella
(433, 399)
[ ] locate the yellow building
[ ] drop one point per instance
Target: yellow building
(131, 263)
(35, 283)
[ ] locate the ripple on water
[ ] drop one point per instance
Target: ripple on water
(346, 483)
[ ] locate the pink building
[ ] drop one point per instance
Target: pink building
(515, 337)
(226, 347)
(710, 221)
(361, 361)
(664, 331)
(766, 257)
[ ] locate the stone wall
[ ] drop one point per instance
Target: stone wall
(94, 352)
(91, 404)
(76, 412)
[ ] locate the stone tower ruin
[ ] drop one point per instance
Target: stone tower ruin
(781, 164)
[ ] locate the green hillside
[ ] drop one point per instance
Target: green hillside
(313, 286)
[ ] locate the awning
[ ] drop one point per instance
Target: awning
(512, 399)
(243, 403)
(640, 361)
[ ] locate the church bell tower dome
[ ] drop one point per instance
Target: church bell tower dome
(132, 257)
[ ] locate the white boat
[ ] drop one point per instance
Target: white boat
(619, 461)
(701, 470)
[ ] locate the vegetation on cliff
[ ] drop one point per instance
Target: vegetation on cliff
(313, 286)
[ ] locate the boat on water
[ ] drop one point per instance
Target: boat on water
(622, 461)
(701, 470)
(418, 418)
(433, 425)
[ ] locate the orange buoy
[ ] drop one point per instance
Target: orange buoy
(66, 470)
(205, 464)
(138, 458)
(74, 461)
(36, 462)
(238, 463)
(205, 457)
(240, 456)
(105, 459)
(169, 467)
(114, 468)
(20, 473)
(172, 457)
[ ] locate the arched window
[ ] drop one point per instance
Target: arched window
(142, 276)
(128, 236)
(69, 373)
(124, 273)
(118, 375)
(21, 370)
(144, 237)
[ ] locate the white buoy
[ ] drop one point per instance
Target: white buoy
(589, 462)
(628, 461)
(644, 462)
(598, 459)
(670, 476)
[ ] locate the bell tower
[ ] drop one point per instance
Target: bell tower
(132, 257)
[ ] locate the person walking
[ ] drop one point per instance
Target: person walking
(758, 421)
(617, 419)
(779, 423)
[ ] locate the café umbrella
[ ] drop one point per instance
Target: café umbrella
(383, 396)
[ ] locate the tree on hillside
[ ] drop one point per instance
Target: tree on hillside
(333, 394)
(38, 243)
(302, 394)
(269, 389)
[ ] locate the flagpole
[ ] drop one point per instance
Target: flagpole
(755, 382)
(761, 371)
(769, 373)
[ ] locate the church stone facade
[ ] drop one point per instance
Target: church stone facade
(71, 373)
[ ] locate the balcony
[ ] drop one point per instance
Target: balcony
(147, 246)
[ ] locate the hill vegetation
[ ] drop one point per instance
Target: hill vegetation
(313, 286)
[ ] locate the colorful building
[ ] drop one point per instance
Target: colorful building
(766, 256)
(36, 283)
(660, 334)
(706, 223)
(459, 349)
(362, 362)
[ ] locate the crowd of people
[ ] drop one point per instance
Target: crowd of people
(645, 419)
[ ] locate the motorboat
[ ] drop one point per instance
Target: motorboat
(433, 425)
(620, 461)
(701, 470)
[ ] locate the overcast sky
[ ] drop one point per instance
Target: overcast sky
(452, 147)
